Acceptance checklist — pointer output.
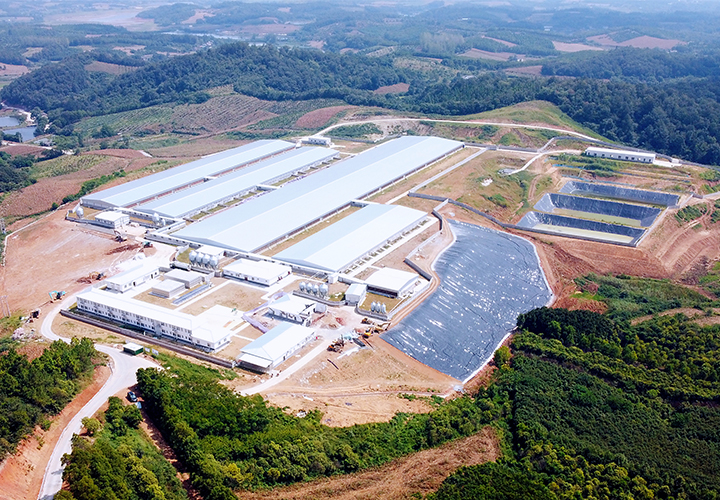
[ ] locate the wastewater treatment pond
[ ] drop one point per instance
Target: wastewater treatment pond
(487, 279)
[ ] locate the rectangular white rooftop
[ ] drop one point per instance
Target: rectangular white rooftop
(136, 272)
(338, 246)
(391, 280)
(144, 189)
(595, 151)
(262, 269)
(273, 345)
(268, 218)
(192, 200)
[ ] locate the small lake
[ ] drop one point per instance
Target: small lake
(27, 133)
(487, 279)
(9, 121)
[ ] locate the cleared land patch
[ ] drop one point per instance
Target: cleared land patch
(403, 478)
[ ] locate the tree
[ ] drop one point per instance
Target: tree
(92, 425)
(502, 356)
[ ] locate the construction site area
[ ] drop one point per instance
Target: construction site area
(358, 283)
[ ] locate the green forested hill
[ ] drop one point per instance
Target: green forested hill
(67, 92)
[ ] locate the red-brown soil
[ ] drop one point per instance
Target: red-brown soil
(404, 478)
(21, 474)
(118, 153)
(398, 88)
(22, 149)
(319, 117)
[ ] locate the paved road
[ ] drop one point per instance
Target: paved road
(123, 368)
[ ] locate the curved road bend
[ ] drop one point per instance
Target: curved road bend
(123, 369)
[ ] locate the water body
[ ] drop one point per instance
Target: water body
(487, 279)
(27, 133)
(9, 121)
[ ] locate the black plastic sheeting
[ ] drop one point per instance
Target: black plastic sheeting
(643, 214)
(487, 279)
(620, 193)
(532, 219)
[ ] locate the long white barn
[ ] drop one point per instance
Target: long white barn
(150, 187)
(207, 195)
(260, 222)
(338, 246)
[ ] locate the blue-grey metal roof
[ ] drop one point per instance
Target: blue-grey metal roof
(195, 198)
(337, 246)
(148, 187)
(263, 220)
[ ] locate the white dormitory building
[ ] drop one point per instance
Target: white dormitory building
(261, 271)
(153, 319)
(619, 154)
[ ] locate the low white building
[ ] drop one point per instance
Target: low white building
(261, 271)
(133, 277)
(620, 154)
(392, 282)
(274, 347)
(152, 318)
(189, 279)
(355, 293)
(318, 140)
(292, 308)
(167, 289)
(113, 220)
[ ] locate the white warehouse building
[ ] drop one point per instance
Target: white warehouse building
(619, 154)
(261, 271)
(274, 347)
(135, 276)
(111, 219)
(151, 318)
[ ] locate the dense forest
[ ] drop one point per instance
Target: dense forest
(33, 391)
(587, 406)
(673, 116)
(118, 461)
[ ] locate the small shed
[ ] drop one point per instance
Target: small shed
(133, 349)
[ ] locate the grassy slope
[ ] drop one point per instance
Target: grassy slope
(534, 113)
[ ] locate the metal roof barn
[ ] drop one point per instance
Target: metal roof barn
(209, 194)
(140, 190)
(338, 246)
(260, 222)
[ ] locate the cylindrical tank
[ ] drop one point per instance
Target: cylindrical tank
(79, 212)
(324, 289)
(214, 261)
(384, 309)
(205, 259)
(193, 257)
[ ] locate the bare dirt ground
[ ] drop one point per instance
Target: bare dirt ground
(318, 118)
(38, 257)
(574, 47)
(21, 474)
(404, 478)
(398, 88)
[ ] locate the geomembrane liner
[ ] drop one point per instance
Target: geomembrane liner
(581, 228)
(603, 210)
(487, 278)
(620, 193)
